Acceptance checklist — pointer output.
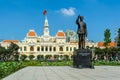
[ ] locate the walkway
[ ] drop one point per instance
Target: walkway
(66, 73)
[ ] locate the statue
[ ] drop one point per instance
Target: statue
(82, 32)
(82, 58)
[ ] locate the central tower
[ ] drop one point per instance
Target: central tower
(46, 29)
(46, 35)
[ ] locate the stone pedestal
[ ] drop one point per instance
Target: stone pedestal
(82, 58)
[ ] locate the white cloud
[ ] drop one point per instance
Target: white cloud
(68, 12)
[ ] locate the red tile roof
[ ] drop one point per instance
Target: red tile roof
(9, 41)
(31, 33)
(101, 44)
(61, 34)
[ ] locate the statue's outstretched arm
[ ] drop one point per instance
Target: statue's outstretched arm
(77, 20)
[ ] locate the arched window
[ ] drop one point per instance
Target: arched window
(70, 48)
(61, 49)
(66, 48)
(54, 49)
(42, 48)
(50, 49)
(20, 48)
(74, 48)
(25, 49)
(38, 48)
(31, 48)
(46, 48)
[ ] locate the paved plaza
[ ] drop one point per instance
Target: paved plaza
(66, 73)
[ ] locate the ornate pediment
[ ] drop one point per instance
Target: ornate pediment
(31, 43)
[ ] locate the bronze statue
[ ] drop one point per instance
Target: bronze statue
(82, 32)
(82, 58)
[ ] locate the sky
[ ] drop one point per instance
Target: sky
(17, 17)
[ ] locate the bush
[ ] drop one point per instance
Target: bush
(66, 57)
(16, 57)
(23, 57)
(40, 57)
(56, 57)
(47, 57)
(31, 57)
(7, 68)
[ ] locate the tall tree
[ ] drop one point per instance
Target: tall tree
(107, 38)
(118, 39)
(12, 51)
(2, 53)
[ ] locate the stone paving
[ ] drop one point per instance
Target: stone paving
(66, 73)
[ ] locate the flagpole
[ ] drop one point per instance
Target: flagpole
(46, 17)
(45, 14)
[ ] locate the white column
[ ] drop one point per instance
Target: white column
(48, 48)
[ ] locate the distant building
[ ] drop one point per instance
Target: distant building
(6, 43)
(90, 43)
(101, 44)
(71, 36)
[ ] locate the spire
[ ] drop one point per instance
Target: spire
(46, 29)
(46, 22)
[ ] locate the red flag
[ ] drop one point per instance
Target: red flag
(45, 12)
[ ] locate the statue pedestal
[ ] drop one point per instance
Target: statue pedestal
(82, 58)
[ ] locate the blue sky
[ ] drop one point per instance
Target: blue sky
(17, 17)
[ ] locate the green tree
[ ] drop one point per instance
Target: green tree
(16, 57)
(107, 39)
(12, 50)
(23, 57)
(71, 57)
(61, 57)
(113, 52)
(118, 40)
(47, 57)
(98, 53)
(56, 57)
(9, 53)
(31, 57)
(2, 53)
(40, 57)
(66, 57)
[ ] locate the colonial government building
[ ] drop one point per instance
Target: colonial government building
(60, 44)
